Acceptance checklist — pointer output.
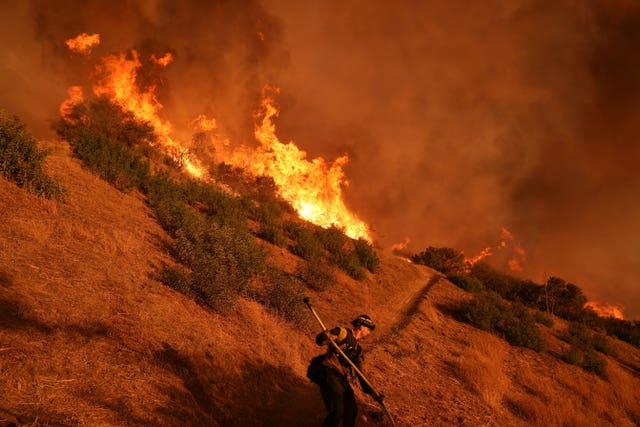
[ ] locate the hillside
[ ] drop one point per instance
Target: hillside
(90, 337)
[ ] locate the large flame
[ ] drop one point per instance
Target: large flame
(118, 82)
(606, 310)
(313, 187)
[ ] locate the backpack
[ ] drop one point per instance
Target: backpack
(315, 370)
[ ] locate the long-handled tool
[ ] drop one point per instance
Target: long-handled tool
(377, 397)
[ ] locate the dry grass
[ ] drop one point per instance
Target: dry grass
(89, 337)
(481, 368)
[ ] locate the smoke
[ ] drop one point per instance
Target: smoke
(460, 119)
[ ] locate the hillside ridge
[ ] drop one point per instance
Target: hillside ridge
(89, 336)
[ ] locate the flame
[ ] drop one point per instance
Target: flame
(313, 187)
(518, 256)
(83, 43)
(76, 96)
(118, 83)
(606, 310)
(402, 246)
(162, 61)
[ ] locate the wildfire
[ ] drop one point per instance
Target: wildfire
(76, 97)
(83, 43)
(313, 187)
(118, 83)
(517, 258)
(606, 310)
(162, 61)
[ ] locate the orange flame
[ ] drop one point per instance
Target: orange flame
(517, 258)
(83, 43)
(314, 188)
(402, 246)
(76, 97)
(606, 310)
(118, 83)
(162, 61)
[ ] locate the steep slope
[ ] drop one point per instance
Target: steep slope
(89, 337)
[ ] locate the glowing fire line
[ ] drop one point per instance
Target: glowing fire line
(314, 188)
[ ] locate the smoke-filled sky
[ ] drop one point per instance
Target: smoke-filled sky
(460, 118)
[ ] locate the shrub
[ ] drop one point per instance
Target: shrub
(307, 245)
(332, 239)
(445, 260)
(499, 282)
(176, 278)
(543, 319)
(22, 162)
(483, 311)
(521, 330)
(315, 275)
(273, 233)
(350, 264)
(222, 260)
(466, 282)
(489, 312)
(367, 257)
(582, 350)
(284, 295)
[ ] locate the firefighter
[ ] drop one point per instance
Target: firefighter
(333, 371)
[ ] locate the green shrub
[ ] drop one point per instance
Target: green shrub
(315, 275)
(350, 264)
(307, 245)
(176, 278)
(522, 331)
(582, 351)
(466, 282)
(284, 295)
(366, 255)
(484, 311)
(543, 319)
(22, 162)
(332, 239)
(491, 313)
(222, 260)
(445, 260)
(273, 233)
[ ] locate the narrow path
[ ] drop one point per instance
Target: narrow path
(407, 309)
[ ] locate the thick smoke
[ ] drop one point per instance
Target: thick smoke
(460, 118)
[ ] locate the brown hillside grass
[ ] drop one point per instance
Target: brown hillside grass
(89, 337)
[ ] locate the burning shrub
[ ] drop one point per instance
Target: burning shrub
(445, 260)
(105, 138)
(22, 162)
